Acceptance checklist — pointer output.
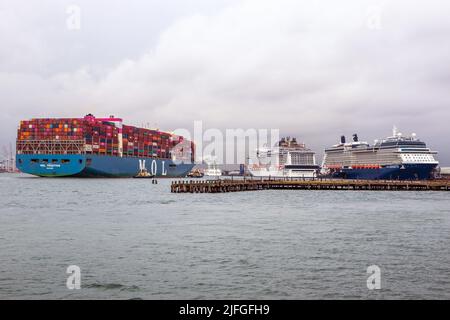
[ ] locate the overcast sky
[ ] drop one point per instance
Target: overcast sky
(313, 69)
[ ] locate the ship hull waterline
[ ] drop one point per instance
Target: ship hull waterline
(403, 172)
(102, 166)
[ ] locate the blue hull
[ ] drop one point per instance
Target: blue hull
(406, 172)
(58, 165)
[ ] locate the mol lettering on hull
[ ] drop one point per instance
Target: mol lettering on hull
(50, 165)
(99, 147)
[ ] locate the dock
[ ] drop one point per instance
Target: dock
(232, 185)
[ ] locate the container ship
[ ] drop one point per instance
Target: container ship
(288, 159)
(99, 147)
(395, 158)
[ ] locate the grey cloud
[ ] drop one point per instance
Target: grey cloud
(312, 69)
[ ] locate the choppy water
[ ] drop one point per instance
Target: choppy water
(133, 239)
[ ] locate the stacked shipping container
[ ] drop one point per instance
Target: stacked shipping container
(101, 137)
(51, 129)
(139, 142)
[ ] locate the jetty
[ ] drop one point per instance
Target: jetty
(236, 185)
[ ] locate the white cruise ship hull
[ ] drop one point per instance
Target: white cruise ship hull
(282, 173)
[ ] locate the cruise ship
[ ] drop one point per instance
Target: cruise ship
(287, 159)
(395, 158)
